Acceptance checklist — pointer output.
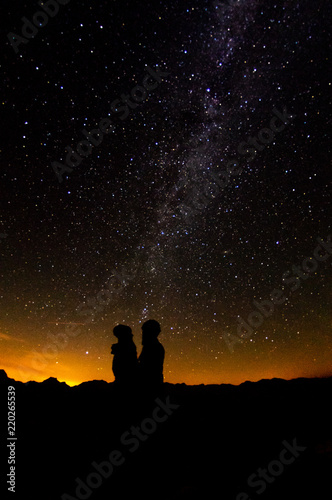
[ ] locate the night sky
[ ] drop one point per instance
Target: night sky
(205, 190)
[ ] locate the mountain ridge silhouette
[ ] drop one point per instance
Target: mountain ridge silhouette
(4, 378)
(213, 441)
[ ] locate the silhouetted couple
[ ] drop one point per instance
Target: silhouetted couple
(147, 370)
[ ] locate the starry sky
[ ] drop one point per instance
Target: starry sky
(188, 209)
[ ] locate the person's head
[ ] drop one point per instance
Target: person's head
(151, 329)
(122, 332)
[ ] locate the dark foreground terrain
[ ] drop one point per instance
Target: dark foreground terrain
(266, 440)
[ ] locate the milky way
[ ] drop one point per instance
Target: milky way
(152, 206)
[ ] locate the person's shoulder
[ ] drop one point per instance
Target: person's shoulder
(161, 347)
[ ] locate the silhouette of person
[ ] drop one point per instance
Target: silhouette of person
(151, 359)
(124, 364)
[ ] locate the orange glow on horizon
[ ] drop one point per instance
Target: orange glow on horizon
(75, 376)
(185, 362)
